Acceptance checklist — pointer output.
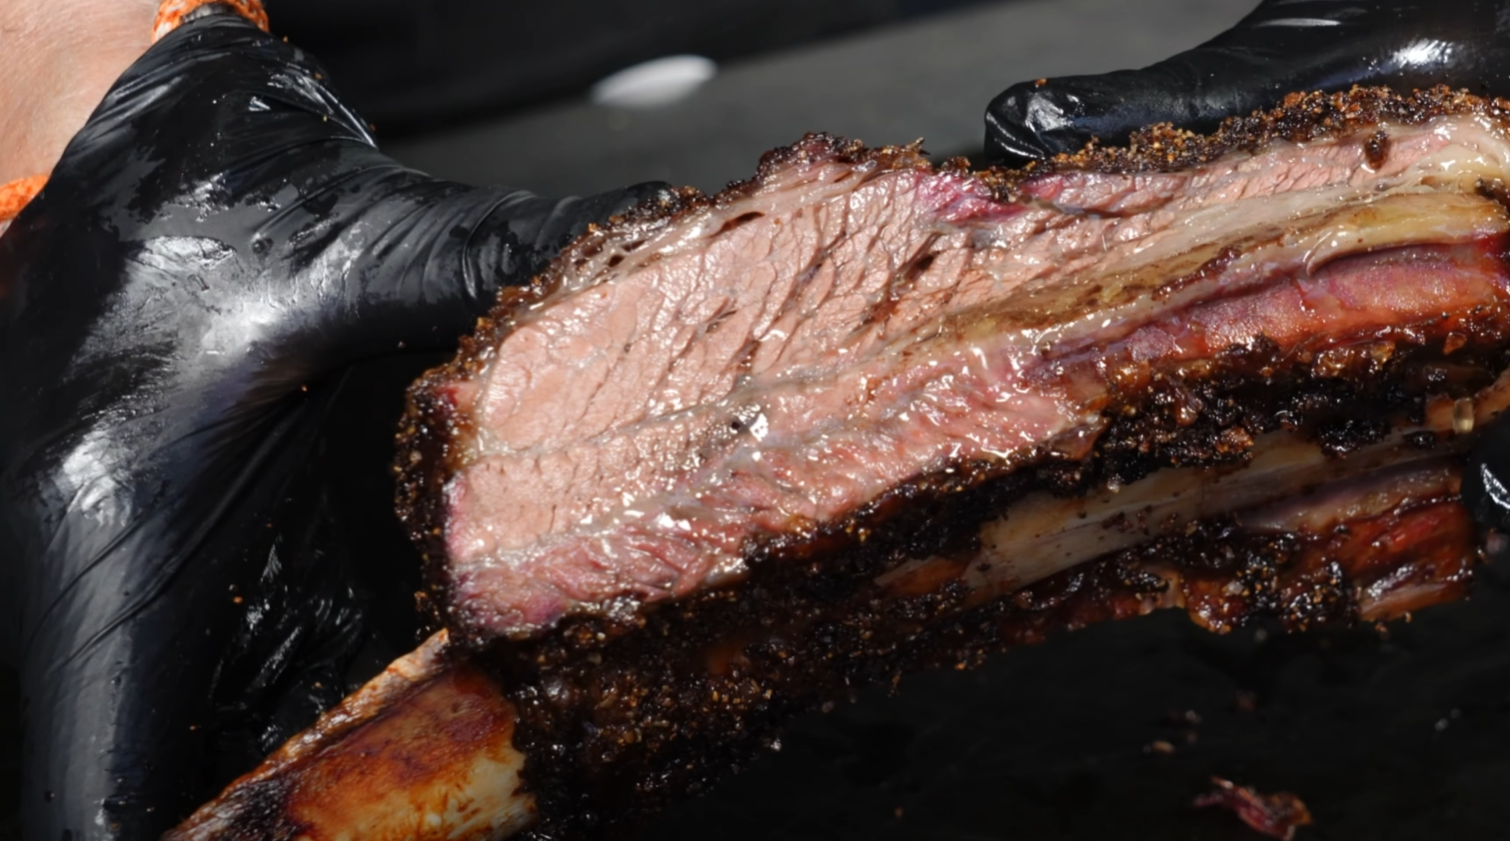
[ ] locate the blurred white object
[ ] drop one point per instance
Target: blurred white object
(661, 81)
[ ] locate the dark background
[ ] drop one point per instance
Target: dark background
(410, 65)
(1404, 736)
(494, 92)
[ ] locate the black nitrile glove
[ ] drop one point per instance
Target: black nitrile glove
(1282, 47)
(178, 309)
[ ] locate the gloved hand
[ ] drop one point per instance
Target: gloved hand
(177, 580)
(1282, 47)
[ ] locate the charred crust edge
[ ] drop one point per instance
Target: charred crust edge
(427, 461)
(1299, 117)
(600, 766)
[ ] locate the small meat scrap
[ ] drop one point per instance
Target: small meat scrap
(1275, 815)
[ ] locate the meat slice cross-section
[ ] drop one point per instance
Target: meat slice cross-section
(763, 374)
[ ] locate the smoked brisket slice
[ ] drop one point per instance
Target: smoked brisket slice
(781, 373)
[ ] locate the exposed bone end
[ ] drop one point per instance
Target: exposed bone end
(423, 751)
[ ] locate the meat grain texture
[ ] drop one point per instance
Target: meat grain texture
(699, 385)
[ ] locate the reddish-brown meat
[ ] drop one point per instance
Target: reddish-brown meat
(697, 385)
(1275, 815)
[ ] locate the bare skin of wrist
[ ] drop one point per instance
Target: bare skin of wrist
(60, 57)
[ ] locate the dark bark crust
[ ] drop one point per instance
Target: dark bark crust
(619, 730)
(1299, 118)
(431, 425)
(620, 718)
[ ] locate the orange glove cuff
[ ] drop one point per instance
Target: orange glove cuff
(16, 195)
(171, 14)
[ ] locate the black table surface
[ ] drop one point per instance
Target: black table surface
(1403, 735)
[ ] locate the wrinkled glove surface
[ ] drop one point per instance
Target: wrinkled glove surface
(178, 311)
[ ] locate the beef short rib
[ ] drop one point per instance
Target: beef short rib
(733, 459)
(773, 372)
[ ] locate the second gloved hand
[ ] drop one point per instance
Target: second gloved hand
(1282, 47)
